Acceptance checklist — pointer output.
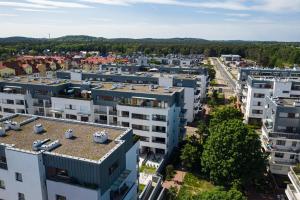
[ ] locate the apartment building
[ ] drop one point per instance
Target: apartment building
(195, 85)
(54, 159)
(293, 190)
(260, 87)
(230, 58)
(281, 133)
(244, 73)
(155, 113)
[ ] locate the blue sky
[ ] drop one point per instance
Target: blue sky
(209, 19)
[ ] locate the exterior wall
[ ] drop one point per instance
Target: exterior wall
(33, 175)
(80, 107)
(170, 134)
(252, 103)
(15, 97)
(70, 191)
(189, 104)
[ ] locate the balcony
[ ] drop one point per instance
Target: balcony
(100, 112)
(290, 192)
(71, 181)
(38, 104)
(113, 112)
(48, 105)
(268, 132)
(294, 175)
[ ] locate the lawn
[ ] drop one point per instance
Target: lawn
(147, 169)
(193, 185)
(141, 188)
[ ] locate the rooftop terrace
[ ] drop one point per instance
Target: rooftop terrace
(80, 145)
(286, 102)
(35, 81)
(138, 88)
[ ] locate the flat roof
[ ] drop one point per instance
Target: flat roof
(138, 88)
(287, 102)
(81, 145)
(32, 80)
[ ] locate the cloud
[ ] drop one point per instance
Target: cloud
(58, 4)
(22, 5)
(39, 10)
(7, 15)
(238, 14)
(241, 5)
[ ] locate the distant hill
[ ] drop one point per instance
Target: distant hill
(17, 39)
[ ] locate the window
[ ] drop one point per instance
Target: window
(259, 95)
(280, 142)
(159, 118)
(285, 92)
(125, 114)
(84, 119)
(139, 116)
(125, 124)
(58, 115)
(113, 167)
(279, 155)
(2, 185)
(294, 144)
(68, 116)
(21, 196)
(19, 177)
(257, 111)
(60, 197)
(292, 156)
(291, 115)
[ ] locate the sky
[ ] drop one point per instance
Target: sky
(264, 20)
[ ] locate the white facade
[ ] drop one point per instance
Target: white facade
(30, 168)
(254, 102)
(293, 190)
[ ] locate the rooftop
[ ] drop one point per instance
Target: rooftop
(81, 145)
(138, 88)
(286, 102)
(33, 80)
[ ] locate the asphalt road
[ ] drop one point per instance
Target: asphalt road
(224, 73)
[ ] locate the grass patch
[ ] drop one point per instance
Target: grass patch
(147, 169)
(193, 185)
(141, 188)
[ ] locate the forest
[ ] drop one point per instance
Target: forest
(267, 54)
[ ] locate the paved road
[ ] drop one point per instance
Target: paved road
(224, 73)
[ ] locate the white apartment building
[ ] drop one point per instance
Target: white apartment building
(280, 133)
(157, 114)
(258, 88)
(53, 159)
(293, 190)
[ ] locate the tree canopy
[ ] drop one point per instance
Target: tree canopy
(232, 154)
(264, 53)
(219, 194)
(225, 113)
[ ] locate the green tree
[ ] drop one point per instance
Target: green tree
(171, 193)
(169, 172)
(225, 113)
(232, 154)
(191, 153)
(220, 194)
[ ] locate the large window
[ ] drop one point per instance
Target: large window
(160, 129)
(280, 142)
(259, 95)
(140, 127)
(139, 116)
(21, 196)
(279, 155)
(113, 167)
(60, 197)
(19, 177)
(2, 184)
(161, 118)
(68, 116)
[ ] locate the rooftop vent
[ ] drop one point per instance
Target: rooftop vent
(11, 125)
(297, 103)
(36, 145)
(69, 134)
(51, 146)
(167, 90)
(131, 87)
(100, 137)
(38, 128)
(151, 87)
(2, 132)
